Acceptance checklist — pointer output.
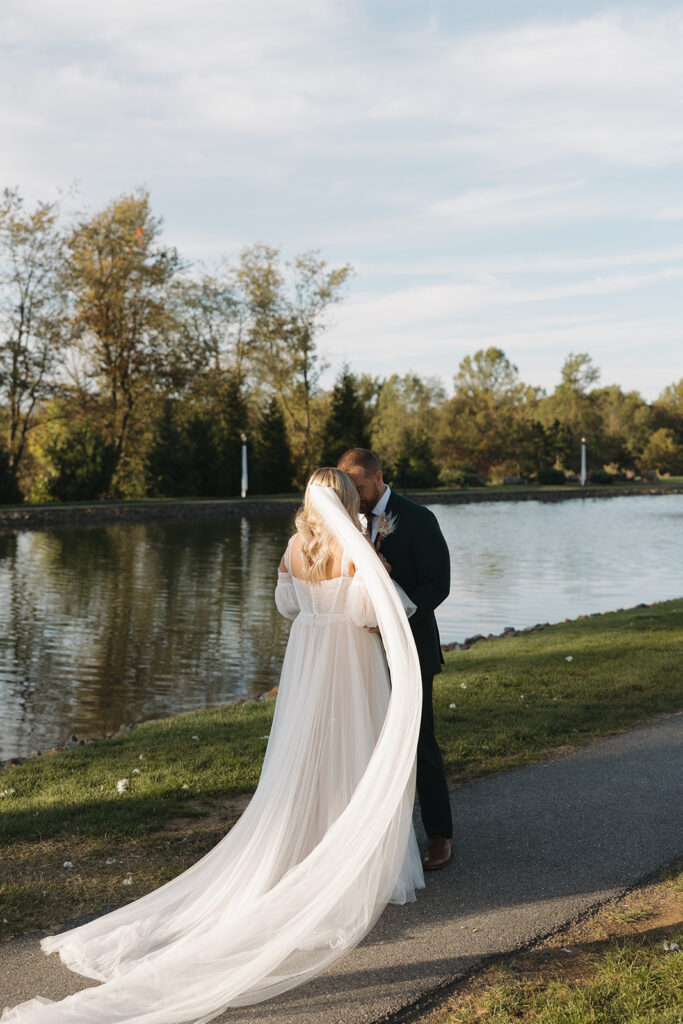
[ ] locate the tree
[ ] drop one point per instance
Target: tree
(491, 419)
(197, 447)
(272, 468)
(346, 424)
(626, 423)
(662, 452)
(402, 429)
(120, 275)
(9, 489)
(214, 318)
(288, 306)
(579, 373)
(32, 314)
(229, 415)
(171, 470)
(82, 462)
(575, 410)
(668, 410)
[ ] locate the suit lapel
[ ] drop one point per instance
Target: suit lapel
(390, 542)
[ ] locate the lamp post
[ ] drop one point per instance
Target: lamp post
(583, 460)
(245, 478)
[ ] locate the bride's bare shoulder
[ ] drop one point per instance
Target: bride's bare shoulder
(288, 550)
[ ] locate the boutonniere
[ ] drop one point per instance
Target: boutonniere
(386, 524)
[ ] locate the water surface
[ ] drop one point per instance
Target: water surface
(101, 625)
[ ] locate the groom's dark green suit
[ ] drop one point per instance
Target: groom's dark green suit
(420, 563)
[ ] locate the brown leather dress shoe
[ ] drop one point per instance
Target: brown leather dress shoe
(439, 853)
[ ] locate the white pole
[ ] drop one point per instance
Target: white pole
(245, 478)
(583, 461)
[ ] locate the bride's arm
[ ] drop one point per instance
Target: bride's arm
(286, 600)
(361, 608)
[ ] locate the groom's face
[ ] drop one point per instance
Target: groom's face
(370, 487)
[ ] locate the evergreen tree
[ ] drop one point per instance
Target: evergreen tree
(171, 470)
(9, 489)
(83, 463)
(229, 413)
(272, 467)
(346, 425)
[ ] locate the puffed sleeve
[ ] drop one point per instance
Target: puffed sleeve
(360, 607)
(285, 596)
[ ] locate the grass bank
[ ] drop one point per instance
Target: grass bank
(501, 704)
(623, 965)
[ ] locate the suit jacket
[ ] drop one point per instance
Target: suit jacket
(421, 563)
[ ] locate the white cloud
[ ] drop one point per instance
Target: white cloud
(607, 87)
(410, 307)
(522, 263)
(476, 178)
(476, 201)
(639, 353)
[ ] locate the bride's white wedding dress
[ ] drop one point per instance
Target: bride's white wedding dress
(326, 841)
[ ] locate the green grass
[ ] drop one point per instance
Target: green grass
(631, 983)
(74, 792)
(515, 700)
(618, 966)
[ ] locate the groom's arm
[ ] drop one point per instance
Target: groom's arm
(432, 564)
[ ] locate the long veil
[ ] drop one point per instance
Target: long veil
(210, 938)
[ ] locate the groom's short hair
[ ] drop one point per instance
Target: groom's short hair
(359, 457)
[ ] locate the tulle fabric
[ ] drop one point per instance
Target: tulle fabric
(326, 841)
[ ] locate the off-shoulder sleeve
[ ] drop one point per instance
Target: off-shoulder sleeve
(360, 607)
(286, 600)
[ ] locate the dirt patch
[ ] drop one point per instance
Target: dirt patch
(50, 881)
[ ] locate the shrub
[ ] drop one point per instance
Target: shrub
(548, 475)
(474, 479)
(452, 477)
(600, 476)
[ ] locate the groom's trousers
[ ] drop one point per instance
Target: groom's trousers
(432, 787)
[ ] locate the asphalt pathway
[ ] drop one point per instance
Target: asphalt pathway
(535, 848)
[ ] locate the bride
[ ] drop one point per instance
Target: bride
(327, 839)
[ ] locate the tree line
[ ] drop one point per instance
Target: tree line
(127, 373)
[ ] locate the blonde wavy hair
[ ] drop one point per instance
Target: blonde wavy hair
(316, 540)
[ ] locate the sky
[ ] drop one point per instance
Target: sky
(505, 172)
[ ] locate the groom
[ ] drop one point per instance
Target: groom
(420, 563)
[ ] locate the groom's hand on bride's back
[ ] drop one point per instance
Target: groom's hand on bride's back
(387, 565)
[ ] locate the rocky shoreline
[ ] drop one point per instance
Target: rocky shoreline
(41, 516)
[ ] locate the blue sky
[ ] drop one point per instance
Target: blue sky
(498, 173)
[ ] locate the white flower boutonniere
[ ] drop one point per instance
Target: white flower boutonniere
(386, 524)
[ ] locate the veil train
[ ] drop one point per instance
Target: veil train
(217, 936)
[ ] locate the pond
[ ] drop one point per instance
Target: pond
(101, 625)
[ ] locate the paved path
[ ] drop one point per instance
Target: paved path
(535, 848)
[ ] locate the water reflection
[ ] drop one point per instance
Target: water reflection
(110, 624)
(101, 625)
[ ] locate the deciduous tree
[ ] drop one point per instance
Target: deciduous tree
(288, 306)
(120, 273)
(32, 314)
(402, 429)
